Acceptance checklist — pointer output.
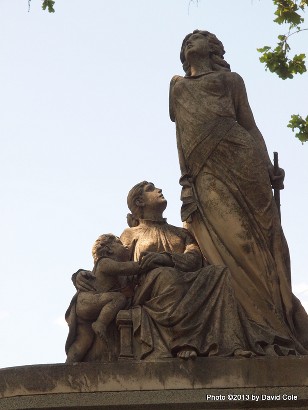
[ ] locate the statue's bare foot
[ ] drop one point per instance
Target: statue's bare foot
(187, 353)
(243, 353)
(101, 330)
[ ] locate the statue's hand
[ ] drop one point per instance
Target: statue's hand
(276, 177)
(84, 281)
(152, 260)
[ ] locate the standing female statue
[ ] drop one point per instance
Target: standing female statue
(227, 180)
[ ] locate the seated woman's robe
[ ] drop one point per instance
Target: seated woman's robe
(184, 305)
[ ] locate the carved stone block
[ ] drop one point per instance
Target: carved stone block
(125, 326)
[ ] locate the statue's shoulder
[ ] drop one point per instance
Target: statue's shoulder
(128, 235)
(233, 77)
(184, 234)
(175, 79)
(179, 231)
(132, 232)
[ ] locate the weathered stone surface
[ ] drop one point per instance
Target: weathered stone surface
(92, 311)
(166, 384)
(228, 205)
(180, 306)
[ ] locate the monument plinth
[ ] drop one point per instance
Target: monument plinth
(206, 383)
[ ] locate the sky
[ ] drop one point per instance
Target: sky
(84, 117)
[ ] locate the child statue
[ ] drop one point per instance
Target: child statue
(93, 310)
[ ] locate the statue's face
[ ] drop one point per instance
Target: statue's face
(120, 252)
(153, 197)
(196, 44)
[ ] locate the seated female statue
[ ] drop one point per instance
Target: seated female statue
(180, 307)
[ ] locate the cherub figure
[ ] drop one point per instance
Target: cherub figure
(91, 311)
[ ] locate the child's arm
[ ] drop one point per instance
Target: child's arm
(111, 267)
(83, 280)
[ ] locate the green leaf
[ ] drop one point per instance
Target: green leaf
(48, 4)
(263, 49)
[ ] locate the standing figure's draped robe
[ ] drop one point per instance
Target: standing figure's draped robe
(228, 204)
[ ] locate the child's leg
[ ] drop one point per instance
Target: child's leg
(89, 305)
(82, 343)
(113, 303)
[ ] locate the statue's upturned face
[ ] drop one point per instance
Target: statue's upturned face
(120, 252)
(153, 197)
(196, 44)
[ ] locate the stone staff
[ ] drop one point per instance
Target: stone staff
(277, 191)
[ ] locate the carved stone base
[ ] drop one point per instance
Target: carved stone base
(207, 383)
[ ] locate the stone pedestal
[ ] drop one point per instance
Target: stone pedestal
(207, 383)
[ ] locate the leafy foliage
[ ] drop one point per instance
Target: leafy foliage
(299, 122)
(48, 4)
(278, 61)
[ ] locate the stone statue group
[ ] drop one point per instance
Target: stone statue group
(221, 286)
